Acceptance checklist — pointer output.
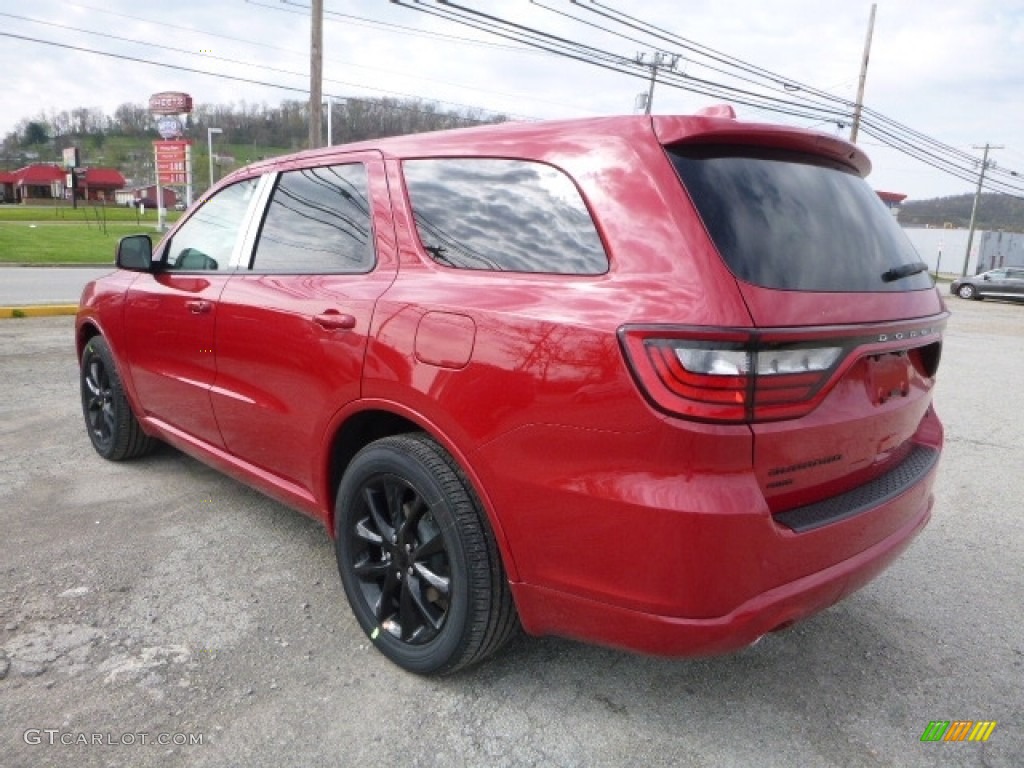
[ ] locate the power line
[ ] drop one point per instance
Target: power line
(762, 88)
(944, 164)
(424, 33)
(194, 70)
(265, 67)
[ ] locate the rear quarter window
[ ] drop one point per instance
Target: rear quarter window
(796, 222)
(503, 215)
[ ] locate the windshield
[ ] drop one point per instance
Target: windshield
(797, 222)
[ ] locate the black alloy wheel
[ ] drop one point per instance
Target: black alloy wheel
(401, 560)
(416, 557)
(98, 403)
(113, 429)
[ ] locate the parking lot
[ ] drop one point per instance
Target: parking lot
(156, 613)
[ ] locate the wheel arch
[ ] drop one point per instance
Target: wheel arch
(86, 330)
(358, 426)
(89, 327)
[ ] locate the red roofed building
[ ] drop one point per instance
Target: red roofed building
(892, 200)
(40, 181)
(100, 184)
(46, 181)
(7, 181)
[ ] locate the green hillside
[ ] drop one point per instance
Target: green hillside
(248, 132)
(994, 212)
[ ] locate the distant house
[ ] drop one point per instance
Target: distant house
(45, 182)
(147, 196)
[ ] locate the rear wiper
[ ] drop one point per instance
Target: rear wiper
(904, 270)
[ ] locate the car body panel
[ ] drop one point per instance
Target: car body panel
(290, 351)
(169, 322)
(617, 522)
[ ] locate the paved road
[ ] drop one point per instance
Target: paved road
(21, 286)
(159, 597)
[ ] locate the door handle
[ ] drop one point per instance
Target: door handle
(333, 320)
(198, 306)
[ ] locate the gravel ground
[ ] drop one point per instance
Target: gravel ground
(158, 601)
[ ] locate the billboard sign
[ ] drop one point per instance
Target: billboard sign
(169, 127)
(170, 103)
(172, 159)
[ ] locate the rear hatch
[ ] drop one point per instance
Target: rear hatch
(837, 375)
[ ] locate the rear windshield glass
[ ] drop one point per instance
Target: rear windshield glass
(796, 222)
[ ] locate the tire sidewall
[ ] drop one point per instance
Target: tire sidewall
(967, 291)
(444, 650)
(97, 348)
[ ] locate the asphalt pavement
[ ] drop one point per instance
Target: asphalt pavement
(27, 286)
(156, 613)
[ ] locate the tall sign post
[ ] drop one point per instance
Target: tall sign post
(172, 154)
(70, 157)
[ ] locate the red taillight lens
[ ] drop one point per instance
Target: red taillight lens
(728, 376)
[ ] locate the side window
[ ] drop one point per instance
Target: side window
(207, 239)
(318, 220)
(495, 214)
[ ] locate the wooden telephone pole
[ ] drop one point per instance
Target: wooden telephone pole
(863, 77)
(974, 208)
(316, 71)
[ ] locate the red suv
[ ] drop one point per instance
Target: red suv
(661, 383)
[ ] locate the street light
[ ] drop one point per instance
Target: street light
(330, 108)
(209, 145)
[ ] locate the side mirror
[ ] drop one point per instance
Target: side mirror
(135, 252)
(986, 278)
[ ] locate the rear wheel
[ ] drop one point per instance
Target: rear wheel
(968, 291)
(113, 429)
(417, 559)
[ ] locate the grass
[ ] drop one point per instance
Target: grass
(59, 235)
(55, 243)
(82, 215)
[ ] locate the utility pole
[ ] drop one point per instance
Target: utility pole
(974, 208)
(316, 70)
(658, 59)
(863, 77)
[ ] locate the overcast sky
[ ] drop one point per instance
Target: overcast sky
(950, 69)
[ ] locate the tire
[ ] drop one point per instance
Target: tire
(112, 427)
(967, 291)
(417, 559)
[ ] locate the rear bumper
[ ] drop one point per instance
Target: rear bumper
(546, 611)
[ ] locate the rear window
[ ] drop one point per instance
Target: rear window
(508, 215)
(796, 222)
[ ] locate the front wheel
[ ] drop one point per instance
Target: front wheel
(113, 429)
(417, 559)
(967, 291)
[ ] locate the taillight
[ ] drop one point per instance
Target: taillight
(729, 375)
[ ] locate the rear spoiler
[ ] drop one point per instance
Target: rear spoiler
(718, 125)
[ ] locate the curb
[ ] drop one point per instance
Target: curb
(40, 310)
